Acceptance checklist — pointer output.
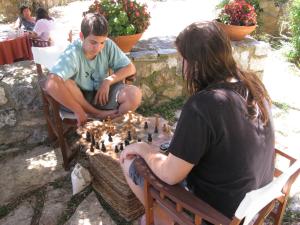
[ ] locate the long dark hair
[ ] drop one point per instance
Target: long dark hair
(42, 13)
(207, 52)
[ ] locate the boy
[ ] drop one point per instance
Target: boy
(79, 79)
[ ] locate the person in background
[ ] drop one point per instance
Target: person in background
(223, 145)
(25, 21)
(43, 26)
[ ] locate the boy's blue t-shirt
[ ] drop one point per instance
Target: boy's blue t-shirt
(88, 74)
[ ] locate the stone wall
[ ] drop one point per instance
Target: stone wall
(274, 16)
(9, 10)
(158, 75)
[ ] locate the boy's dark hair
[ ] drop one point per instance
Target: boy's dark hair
(94, 24)
(22, 8)
(42, 13)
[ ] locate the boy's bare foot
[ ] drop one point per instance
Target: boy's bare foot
(103, 114)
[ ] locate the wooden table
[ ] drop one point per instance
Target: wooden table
(15, 49)
(109, 180)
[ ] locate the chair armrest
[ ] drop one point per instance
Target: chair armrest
(291, 159)
(180, 196)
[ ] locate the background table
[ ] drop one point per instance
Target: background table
(15, 49)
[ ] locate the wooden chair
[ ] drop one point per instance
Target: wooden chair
(58, 127)
(187, 209)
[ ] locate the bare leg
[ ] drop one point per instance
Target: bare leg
(160, 217)
(129, 98)
(88, 108)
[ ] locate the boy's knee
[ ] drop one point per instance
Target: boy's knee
(132, 94)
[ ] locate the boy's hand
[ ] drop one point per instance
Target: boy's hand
(102, 93)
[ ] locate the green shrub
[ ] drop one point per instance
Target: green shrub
(295, 28)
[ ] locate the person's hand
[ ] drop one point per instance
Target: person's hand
(133, 150)
(81, 117)
(102, 93)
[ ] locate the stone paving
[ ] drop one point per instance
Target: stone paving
(36, 190)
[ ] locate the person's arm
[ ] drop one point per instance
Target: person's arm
(55, 86)
(121, 74)
(169, 169)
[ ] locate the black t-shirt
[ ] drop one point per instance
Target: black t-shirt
(232, 153)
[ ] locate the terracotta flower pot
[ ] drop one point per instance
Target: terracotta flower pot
(236, 33)
(127, 42)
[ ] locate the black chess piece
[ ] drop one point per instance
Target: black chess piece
(139, 139)
(149, 137)
(129, 135)
(97, 145)
(93, 140)
(110, 138)
(88, 136)
(156, 130)
(103, 148)
(126, 142)
(92, 148)
(116, 149)
(121, 147)
(146, 125)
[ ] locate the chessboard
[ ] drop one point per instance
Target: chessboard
(103, 142)
(111, 136)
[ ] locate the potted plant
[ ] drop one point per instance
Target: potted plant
(238, 19)
(127, 20)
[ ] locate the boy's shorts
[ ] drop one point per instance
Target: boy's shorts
(112, 103)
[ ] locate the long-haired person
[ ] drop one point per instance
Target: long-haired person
(223, 145)
(44, 25)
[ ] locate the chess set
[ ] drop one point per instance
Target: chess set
(103, 141)
(111, 136)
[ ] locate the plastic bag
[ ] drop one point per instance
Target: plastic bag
(80, 177)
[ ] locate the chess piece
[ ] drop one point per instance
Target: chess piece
(97, 145)
(121, 147)
(138, 121)
(165, 129)
(149, 138)
(156, 124)
(92, 148)
(130, 115)
(88, 136)
(116, 149)
(146, 125)
(93, 140)
(129, 135)
(110, 138)
(103, 148)
(126, 142)
(139, 139)
(156, 130)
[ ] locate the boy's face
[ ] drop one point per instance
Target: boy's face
(92, 45)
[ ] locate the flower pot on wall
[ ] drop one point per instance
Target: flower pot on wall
(127, 42)
(236, 33)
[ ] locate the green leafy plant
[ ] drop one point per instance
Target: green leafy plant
(125, 17)
(295, 28)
